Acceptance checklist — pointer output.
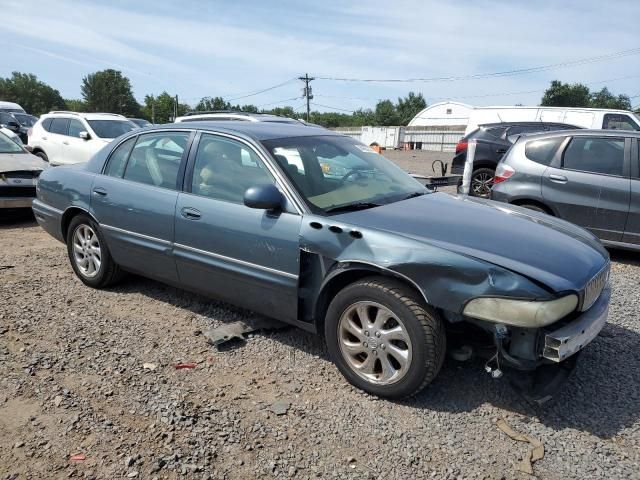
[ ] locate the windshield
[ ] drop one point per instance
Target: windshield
(9, 146)
(25, 119)
(335, 173)
(141, 122)
(111, 128)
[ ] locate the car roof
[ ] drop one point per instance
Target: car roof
(585, 132)
(86, 116)
(256, 130)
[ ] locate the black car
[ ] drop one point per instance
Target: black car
(19, 123)
(493, 141)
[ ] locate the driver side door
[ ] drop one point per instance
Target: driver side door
(246, 256)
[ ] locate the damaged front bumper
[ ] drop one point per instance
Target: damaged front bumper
(568, 339)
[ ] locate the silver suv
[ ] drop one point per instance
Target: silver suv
(588, 177)
(233, 115)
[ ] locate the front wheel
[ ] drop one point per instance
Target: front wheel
(89, 255)
(383, 339)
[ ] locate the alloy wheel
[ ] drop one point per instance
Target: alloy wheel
(374, 342)
(86, 251)
(481, 184)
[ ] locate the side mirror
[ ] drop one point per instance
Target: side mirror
(15, 126)
(264, 197)
(84, 135)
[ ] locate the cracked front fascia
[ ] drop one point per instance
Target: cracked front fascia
(446, 279)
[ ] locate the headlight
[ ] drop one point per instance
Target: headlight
(521, 313)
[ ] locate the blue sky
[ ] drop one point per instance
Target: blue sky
(230, 48)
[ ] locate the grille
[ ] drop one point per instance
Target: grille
(18, 191)
(594, 288)
(26, 174)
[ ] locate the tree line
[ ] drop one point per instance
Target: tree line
(110, 91)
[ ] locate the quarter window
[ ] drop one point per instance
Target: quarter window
(75, 127)
(155, 159)
(543, 151)
(618, 122)
(59, 126)
(46, 124)
(118, 159)
(596, 155)
(225, 169)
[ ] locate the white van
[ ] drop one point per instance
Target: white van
(11, 107)
(594, 118)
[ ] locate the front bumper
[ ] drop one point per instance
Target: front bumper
(15, 202)
(565, 341)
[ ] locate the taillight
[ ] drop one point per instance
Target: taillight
(461, 146)
(503, 172)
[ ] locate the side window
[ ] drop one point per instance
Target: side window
(596, 155)
(59, 126)
(543, 151)
(118, 159)
(225, 169)
(155, 159)
(618, 121)
(75, 127)
(46, 124)
(5, 118)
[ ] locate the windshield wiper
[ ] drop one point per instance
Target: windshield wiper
(352, 207)
(414, 195)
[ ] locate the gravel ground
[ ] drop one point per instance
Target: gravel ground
(93, 373)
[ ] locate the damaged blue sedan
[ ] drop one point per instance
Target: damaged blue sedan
(254, 214)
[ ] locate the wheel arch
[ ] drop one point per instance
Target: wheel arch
(68, 215)
(529, 201)
(348, 272)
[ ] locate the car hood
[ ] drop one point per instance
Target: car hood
(545, 249)
(13, 162)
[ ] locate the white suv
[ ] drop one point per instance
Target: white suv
(70, 137)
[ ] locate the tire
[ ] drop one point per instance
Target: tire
(364, 357)
(107, 272)
(42, 155)
(534, 207)
(481, 182)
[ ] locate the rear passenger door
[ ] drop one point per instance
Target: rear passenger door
(225, 249)
(589, 184)
(52, 143)
(632, 229)
(134, 201)
(74, 148)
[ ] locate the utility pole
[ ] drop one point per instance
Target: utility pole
(175, 109)
(307, 92)
(153, 110)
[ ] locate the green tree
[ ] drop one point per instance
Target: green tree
(34, 96)
(109, 91)
(160, 109)
(75, 105)
(564, 95)
(386, 113)
(605, 99)
(409, 106)
(215, 103)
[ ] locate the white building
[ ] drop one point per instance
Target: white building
(443, 114)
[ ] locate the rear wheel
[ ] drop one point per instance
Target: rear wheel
(89, 255)
(481, 182)
(382, 339)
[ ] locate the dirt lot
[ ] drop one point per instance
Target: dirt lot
(93, 373)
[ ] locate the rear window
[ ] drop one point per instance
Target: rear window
(491, 133)
(542, 151)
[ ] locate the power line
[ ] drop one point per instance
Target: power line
(332, 108)
(258, 92)
(507, 73)
(279, 101)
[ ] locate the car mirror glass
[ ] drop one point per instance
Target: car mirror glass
(84, 135)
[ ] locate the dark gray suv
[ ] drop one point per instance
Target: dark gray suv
(588, 177)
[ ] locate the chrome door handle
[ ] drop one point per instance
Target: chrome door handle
(100, 191)
(558, 178)
(43, 138)
(190, 213)
(65, 143)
